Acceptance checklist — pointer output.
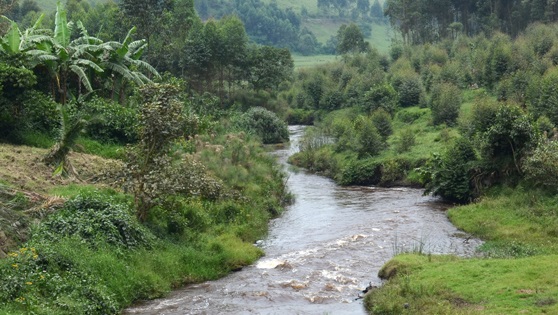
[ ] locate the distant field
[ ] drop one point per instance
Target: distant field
(325, 28)
(302, 62)
(310, 5)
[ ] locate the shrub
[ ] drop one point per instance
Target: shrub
(541, 166)
(368, 142)
(448, 176)
(482, 115)
(445, 103)
(265, 124)
(116, 124)
(409, 88)
(360, 172)
(508, 135)
(160, 124)
(381, 96)
(542, 96)
(405, 141)
(382, 120)
(94, 220)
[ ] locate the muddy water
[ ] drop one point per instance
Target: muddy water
(323, 251)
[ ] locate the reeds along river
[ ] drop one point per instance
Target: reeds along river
(325, 249)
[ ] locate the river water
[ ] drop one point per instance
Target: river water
(323, 251)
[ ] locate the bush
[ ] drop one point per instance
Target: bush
(445, 103)
(541, 166)
(96, 220)
(448, 176)
(409, 88)
(265, 124)
(508, 135)
(542, 96)
(360, 172)
(381, 96)
(405, 141)
(382, 120)
(116, 124)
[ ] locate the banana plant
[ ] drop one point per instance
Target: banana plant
(123, 64)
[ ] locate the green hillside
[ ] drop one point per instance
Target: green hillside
(297, 5)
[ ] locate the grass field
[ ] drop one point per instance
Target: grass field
(297, 5)
(325, 28)
(302, 62)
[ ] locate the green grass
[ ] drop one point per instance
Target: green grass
(302, 62)
(513, 221)
(446, 285)
(127, 275)
(108, 151)
(381, 37)
(310, 5)
(520, 227)
(325, 28)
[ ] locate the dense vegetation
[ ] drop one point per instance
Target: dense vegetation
(280, 24)
(426, 21)
(172, 110)
(176, 187)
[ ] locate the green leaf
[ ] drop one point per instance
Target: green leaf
(12, 39)
(61, 29)
(82, 76)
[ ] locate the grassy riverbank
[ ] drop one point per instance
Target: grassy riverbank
(515, 276)
(74, 246)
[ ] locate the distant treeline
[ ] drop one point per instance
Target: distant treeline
(422, 21)
(269, 24)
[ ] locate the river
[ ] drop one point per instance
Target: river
(323, 251)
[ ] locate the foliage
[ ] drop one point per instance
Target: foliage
(382, 96)
(265, 124)
(160, 124)
(409, 88)
(116, 123)
(382, 121)
(540, 166)
(369, 141)
(350, 40)
(405, 141)
(449, 175)
(269, 67)
(95, 221)
(72, 125)
(445, 102)
(431, 23)
(508, 138)
(543, 97)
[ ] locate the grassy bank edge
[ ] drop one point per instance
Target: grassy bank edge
(515, 275)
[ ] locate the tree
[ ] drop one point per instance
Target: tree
(147, 16)
(161, 122)
(449, 175)
(445, 103)
(508, 137)
(351, 40)
(269, 66)
(376, 11)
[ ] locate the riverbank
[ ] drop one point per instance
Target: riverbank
(74, 245)
(516, 274)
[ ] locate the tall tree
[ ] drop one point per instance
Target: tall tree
(146, 15)
(350, 39)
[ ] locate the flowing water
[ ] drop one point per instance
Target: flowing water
(323, 251)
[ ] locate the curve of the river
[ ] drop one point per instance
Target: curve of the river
(326, 248)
